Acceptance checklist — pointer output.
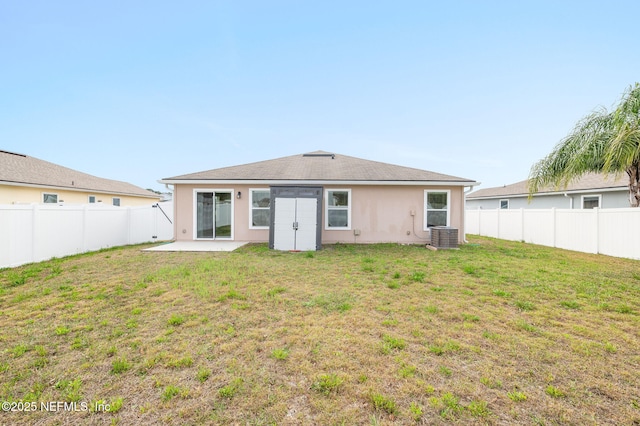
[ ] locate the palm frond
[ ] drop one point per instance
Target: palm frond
(624, 148)
(578, 153)
(602, 142)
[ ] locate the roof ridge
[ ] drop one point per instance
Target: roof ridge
(307, 167)
(588, 181)
(23, 169)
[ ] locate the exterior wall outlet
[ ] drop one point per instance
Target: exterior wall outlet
(412, 212)
(356, 232)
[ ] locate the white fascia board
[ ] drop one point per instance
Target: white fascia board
(74, 188)
(314, 182)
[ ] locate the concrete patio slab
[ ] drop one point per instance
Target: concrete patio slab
(198, 246)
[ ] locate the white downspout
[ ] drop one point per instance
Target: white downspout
(570, 200)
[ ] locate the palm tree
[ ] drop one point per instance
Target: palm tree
(602, 142)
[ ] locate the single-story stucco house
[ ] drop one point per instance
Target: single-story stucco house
(590, 191)
(302, 201)
(27, 180)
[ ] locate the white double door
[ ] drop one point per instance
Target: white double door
(295, 224)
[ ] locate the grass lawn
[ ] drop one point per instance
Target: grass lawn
(497, 332)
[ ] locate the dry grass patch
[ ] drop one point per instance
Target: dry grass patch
(494, 333)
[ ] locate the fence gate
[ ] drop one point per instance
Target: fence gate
(295, 218)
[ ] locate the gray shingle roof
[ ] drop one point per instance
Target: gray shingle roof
(587, 182)
(22, 169)
(321, 166)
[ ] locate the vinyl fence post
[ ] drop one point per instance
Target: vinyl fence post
(597, 229)
(155, 213)
(84, 228)
(128, 225)
(553, 226)
(34, 231)
(521, 224)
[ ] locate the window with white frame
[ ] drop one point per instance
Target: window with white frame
(337, 209)
(504, 204)
(49, 198)
(436, 208)
(591, 201)
(92, 199)
(116, 201)
(260, 206)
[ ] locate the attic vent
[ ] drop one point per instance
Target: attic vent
(319, 154)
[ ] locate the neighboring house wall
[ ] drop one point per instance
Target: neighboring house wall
(10, 194)
(618, 199)
(612, 199)
(381, 213)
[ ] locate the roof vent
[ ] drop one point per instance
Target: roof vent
(319, 154)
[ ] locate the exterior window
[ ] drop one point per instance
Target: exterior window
(338, 209)
(48, 198)
(504, 204)
(92, 199)
(590, 201)
(436, 209)
(116, 201)
(260, 205)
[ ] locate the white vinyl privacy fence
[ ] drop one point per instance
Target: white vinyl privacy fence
(32, 233)
(614, 232)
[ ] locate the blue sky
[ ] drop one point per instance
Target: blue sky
(142, 90)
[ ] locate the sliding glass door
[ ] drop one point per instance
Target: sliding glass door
(223, 215)
(214, 214)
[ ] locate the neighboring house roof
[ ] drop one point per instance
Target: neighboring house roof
(588, 183)
(321, 167)
(23, 170)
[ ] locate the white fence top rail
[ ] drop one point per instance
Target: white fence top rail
(36, 232)
(613, 232)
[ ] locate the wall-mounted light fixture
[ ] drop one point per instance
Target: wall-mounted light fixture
(239, 195)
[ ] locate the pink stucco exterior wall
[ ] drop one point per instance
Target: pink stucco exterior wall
(380, 213)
